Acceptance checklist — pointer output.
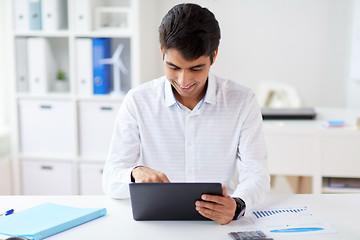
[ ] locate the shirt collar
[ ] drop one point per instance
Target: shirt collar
(209, 95)
(169, 95)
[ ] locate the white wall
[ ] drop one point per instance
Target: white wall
(304, 43)
(5, 166)
(353, 86)
(4, 67)
(2, 64)
(150, 54)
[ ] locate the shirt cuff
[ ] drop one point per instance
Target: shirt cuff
(131, 176)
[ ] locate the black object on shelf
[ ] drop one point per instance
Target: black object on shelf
(288, 113)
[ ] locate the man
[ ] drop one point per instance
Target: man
(190, 125)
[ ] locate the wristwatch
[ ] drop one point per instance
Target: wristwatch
(240, 208)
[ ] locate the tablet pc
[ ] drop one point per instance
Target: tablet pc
(169, 201)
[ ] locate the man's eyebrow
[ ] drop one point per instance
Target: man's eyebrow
(171, 64)
(196, 66)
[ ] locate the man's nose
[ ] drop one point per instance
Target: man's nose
(184, 78)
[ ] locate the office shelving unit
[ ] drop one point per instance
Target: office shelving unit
(60, 137)
(306, 148)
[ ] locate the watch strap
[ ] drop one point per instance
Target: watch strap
(240, 208)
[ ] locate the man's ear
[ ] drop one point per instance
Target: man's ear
(214, 57)
(162, 52)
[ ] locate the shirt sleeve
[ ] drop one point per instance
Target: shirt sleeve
(124, 151)
(254, 177)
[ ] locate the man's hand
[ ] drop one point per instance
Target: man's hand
(221, 209)
(148, 175)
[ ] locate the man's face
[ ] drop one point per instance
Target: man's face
(188, 77)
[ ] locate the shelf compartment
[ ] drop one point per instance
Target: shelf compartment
(112, 19)
(341, 185)
(38, 61)
(88, 59)
(102, 15)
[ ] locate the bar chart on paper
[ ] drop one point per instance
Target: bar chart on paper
(289, 221)
(273, 212)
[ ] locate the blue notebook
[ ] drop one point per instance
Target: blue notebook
(47, 219)
(101, 72)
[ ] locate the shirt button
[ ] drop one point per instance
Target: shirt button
(189, 142)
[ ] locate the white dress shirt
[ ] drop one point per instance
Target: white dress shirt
(220, 138)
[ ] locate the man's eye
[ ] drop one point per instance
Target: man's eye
(173, 68)
(196, 69)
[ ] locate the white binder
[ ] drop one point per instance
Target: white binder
(40, 65)
(21, 15)
(54, 14)
(84, 14)
(22, 80)
(35, 15)
(83, 66)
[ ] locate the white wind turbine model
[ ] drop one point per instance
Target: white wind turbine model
(118, 67)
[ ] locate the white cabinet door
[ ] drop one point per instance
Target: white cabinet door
(341, 156)
(90, 175)
(46, 178)
(47, 128)
(96, 121)
(293, 155)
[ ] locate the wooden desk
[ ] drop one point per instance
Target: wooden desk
(306, 148)
(341, 211)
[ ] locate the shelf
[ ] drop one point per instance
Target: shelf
(341, 185)
(91, 160)
(64, 33)
(48, 96)
(115, 33)
(68, 96)
(340, 190)
(45, 158)
(62, 159)
(101, 98)
(59, 124)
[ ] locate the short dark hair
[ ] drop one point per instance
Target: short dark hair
(190, 29)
